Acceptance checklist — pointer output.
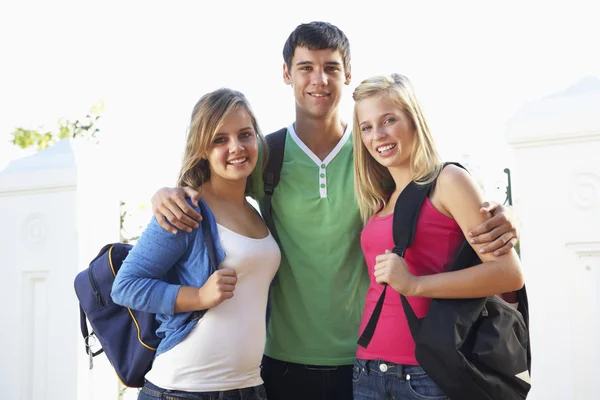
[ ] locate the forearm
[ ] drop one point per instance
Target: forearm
(139, 283)
(144, 294)
(189, 299)
(487, 279)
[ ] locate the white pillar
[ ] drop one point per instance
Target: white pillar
(56, 211)
(557, 191)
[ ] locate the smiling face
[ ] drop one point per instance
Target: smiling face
(387, 132)
(233, 152)
(317, 77)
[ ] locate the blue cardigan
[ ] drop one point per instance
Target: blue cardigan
(157, 266)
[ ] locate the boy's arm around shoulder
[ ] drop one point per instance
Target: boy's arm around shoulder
(139, 283)
(173, 211)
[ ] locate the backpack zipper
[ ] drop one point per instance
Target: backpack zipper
(95, 289)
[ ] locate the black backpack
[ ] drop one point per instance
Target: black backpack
(473, 349)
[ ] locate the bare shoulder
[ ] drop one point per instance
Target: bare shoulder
(456, 190)
(454, 180)
(450, 184)
(454, 175)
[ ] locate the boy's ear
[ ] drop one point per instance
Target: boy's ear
(287, 77)
(348, 77)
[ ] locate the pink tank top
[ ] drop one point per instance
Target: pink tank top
(435, 244)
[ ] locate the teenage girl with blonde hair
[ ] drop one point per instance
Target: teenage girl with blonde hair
(393, 147)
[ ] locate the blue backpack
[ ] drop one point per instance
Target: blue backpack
(127, 337)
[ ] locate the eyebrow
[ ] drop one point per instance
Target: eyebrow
(335, 63)
(248, 128)
(387, 114)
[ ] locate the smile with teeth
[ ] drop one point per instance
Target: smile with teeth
(383, 149)
(237, 161)
(319, 94)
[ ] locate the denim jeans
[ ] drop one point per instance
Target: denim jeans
(379, 379)
(291, 381)
(153, 392)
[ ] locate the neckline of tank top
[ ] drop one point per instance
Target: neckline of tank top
(243, 236)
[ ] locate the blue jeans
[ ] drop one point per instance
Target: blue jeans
(379, 379)
(153, 392)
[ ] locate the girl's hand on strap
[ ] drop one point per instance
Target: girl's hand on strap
(217, 289)
(390, 268)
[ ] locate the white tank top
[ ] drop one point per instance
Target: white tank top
(224, 350)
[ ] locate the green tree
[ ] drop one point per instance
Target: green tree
(81, 128)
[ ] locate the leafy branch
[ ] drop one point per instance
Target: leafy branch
(81, 128)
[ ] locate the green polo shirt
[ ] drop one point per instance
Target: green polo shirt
(318, 295)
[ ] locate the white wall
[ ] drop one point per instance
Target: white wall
(557, 191)
(56, 213)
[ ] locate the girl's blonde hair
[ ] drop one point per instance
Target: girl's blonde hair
(373, 182)
(208, 116)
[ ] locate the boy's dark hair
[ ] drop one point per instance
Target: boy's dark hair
(317, 35)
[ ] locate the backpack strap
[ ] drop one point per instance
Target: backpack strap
(464, 258)
(86, 335)
(406, 216)
(272, 172)
(208, 240)
(212, 255)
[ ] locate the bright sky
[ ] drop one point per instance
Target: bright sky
(474, 64)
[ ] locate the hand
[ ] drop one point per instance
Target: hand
(390, 268)
(169, 204)
(218, 288)
(499, 232)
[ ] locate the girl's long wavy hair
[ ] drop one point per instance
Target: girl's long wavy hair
(208, 116)
(373, 183)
